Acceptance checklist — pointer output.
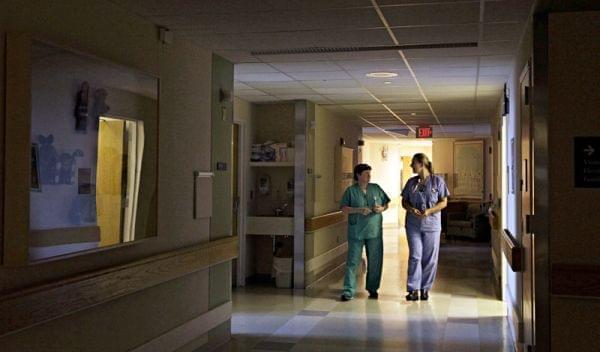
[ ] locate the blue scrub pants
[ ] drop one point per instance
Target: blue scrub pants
(424, 247)
(374, 264)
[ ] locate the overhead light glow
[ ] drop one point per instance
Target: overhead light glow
(382, 74)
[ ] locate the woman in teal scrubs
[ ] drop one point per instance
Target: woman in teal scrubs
(364, 202)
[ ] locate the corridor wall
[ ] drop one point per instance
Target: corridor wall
(108, 31)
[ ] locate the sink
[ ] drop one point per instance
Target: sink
(270, 225)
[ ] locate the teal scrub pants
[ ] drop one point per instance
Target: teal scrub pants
(374, 264)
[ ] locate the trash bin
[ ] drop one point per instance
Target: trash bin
(282, 267)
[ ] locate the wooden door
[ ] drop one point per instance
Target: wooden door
(526, 188)
(235, 194)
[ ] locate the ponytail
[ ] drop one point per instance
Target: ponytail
(423, 159)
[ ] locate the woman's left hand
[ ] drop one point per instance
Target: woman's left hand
(427, 212)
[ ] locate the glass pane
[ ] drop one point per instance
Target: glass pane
(94, 153)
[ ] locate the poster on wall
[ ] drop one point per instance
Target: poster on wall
(468, 169)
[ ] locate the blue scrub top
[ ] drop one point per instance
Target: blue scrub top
(424, 197)
(361, 227)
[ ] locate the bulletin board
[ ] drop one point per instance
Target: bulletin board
(344, 166)
(468, 169)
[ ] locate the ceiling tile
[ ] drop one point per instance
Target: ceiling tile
(311, 76)
(288, 91)
(502, 31)
(247, 92)
(462, 33)
(432, 14)
(336, 83)
(239, 85)
(262, 77)
(345, 98)
(253, 68)
(341, 90)
(275, 85)
(293, 67)
(507, 10)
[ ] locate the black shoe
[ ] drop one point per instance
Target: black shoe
(373, 295)
(345, 298)
(424, 295)
(412, 296)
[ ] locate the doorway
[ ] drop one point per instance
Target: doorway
(526, 188)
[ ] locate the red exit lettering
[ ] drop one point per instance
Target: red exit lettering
(424, 132)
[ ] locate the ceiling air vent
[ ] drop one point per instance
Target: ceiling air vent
(402, 131)
(349, 49)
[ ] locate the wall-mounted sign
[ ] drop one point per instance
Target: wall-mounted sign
(587, 162)
(424, 132)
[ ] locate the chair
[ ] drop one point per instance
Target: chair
(460, 219)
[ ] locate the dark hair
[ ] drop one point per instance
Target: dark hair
(359, 169)
(423, 159)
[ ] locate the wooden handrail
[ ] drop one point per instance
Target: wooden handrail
(321, 221)
(38, 304)
(512, 250)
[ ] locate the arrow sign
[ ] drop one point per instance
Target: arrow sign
(587, 162)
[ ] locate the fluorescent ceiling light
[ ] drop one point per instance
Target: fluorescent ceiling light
(382, 74)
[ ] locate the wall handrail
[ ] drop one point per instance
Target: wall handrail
(322, 221)
(41, 303)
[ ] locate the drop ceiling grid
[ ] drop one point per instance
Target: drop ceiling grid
(337, 79)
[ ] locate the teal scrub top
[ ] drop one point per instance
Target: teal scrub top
(361, 227)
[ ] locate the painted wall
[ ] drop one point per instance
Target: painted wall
(573, 91)
(328, 131)
(322, 141)
(108, 31)
(387, 173)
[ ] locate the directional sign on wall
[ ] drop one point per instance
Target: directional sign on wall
(587, 162)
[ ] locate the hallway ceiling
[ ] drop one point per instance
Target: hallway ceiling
(449, 86)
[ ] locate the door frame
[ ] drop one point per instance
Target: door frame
(242, 208)
(526, 186)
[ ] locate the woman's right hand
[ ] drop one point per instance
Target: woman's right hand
(416, 212)
(365, 211)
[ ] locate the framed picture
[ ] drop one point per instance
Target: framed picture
(36, 185)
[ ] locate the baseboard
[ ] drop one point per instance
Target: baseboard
(331, 274)
(188, 332)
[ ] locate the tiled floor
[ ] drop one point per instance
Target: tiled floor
(461, 315)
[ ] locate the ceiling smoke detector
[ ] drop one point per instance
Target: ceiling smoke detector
(382, 74)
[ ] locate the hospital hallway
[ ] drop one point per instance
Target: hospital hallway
(461, 314)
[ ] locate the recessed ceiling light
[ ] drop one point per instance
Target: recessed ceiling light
(382, 74)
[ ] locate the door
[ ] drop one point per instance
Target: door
(526, 187)
(235, 194)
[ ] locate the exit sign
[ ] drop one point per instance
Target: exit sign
(424, 132)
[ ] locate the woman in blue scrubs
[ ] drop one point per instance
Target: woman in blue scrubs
(424, 196)
(364, 202)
